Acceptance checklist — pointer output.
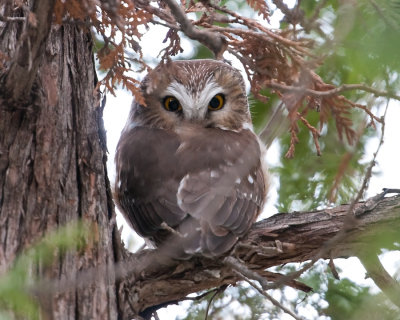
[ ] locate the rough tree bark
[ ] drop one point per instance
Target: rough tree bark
(52, 155)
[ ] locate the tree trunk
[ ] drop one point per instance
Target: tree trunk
(52, 156)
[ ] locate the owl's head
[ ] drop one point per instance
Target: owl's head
(205, 93)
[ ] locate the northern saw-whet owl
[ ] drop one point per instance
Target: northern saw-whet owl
(190, 172)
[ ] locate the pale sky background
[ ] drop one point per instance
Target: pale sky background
(388, 165)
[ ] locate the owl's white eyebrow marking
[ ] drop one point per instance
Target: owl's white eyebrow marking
(194, 103)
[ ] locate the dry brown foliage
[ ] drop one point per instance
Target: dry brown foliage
(279, 60)
(119, 29)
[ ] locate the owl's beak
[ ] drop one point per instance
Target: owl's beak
(195, 114)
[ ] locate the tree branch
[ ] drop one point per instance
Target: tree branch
(290, 237)
(335, 91)
(270, 298)
(211, 40)
(380, 276)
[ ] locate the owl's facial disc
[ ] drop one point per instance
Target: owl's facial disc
(196, 104)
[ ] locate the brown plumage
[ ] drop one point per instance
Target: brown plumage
(189, 160)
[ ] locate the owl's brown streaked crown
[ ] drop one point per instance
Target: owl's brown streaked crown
(193, 83)
(193, 74)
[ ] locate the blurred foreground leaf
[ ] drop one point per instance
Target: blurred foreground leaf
(17, 285)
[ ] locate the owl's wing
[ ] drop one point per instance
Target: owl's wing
(208, 184)
(227, 192)
(147, 178)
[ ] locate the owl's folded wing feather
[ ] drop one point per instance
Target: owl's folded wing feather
(147, 180)
(225, 201)
(208, 185)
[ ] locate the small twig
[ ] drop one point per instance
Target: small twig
(279, 305)
(269, 297)
(165, 24)
(335, 91)
(201, 296)
(155, 315)
(12, 19)
(375, 270)
(315, 133)
(217, 291)
(245, 271)
(265, 35)
(213, 41)
(333, 269)
(371, 165)
(293, 16)
(390, 190)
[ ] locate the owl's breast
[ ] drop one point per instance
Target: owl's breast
(205, 180)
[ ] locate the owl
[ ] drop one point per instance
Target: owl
(190, 171)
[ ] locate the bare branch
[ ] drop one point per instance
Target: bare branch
(246, 272)
(375, 270)
(270, 298)
(165, 24)
(279, 305)
(335, 91)
(211, 40)
(372, 163)
(315, 133)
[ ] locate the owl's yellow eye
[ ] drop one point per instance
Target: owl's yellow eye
(172, 104)
(217, 102)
